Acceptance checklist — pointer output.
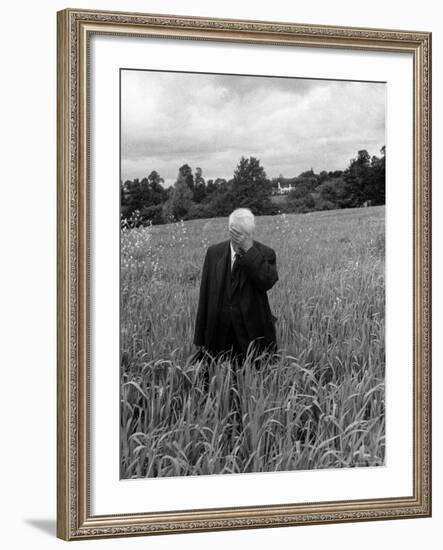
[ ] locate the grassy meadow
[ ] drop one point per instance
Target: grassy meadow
(318, 403)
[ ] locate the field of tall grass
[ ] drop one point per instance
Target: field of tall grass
(318, 403)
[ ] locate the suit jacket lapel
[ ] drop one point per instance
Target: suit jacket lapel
(221, 266)
(242, 278)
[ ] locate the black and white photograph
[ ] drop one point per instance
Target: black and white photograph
(252, 273)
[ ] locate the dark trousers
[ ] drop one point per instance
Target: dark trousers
(232, 333)
(234, 352)
(230, 347)
(235, 345)
(237, 351)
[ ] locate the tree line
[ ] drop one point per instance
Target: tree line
(147, 201)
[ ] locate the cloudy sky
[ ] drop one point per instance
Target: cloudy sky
(169, 119)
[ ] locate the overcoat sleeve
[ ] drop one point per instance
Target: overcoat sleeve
(201, 317)
(261, 269)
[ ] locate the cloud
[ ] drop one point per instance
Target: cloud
(169, 119)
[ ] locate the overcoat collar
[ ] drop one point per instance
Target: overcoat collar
(222, 262)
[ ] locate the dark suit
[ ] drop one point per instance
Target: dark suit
(238, 308)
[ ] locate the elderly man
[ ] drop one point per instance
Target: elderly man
(233, 308)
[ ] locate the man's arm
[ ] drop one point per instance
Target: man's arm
(261, 269)
(200, 320)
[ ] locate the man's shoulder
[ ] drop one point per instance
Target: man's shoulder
(264, 249)
(217, 248)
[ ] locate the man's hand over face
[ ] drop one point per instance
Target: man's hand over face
(240, 238)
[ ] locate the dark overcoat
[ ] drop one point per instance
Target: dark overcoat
(258, 274)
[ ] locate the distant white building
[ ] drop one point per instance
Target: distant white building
(284, 190)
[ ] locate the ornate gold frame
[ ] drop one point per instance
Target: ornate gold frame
(74, 520)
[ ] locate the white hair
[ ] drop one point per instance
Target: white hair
(244, 218)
